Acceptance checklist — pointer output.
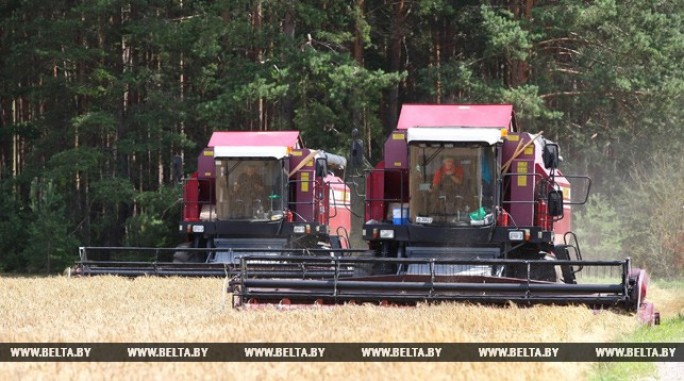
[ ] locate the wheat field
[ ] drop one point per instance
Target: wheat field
(113, 309)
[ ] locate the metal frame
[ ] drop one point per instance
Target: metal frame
(158, 262)
(430, 287)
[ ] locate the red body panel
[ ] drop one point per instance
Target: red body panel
(396, 151)
(339, 206)
(524, 184)
(304, 186)
(375, 193)
(191, 208)
(520, 182)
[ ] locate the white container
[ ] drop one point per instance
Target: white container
(399, 213)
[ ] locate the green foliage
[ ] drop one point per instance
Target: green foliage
(652, 212)
(529, 105)
(156, 224)
(66, 164)
(113, 191)
(609, 371)
(599, 229)
(52, 246)
(330, 93)
(96, 97)
(505, 35)
(13, 233)
(93, 124)
(641, 222)
(670, 330)
(614, 68)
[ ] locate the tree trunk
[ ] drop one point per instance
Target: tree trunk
(397, 36)
(358, 35)
(289, 27)
(518, 70)
(437, 59)
(122, 160)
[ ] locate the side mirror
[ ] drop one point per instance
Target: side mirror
(177, 168)
(550, 155)
(321, 167)
(356, 154)
(555, 208)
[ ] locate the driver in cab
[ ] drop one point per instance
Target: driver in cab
(249, 192)
(448, 176)
(447, 184)
(249, 183)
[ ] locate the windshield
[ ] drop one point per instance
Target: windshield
(452, 185)
(249, 189)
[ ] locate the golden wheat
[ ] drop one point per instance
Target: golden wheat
(112, 309)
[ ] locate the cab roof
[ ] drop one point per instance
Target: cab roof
(254, 144)
(453, 115)
(288, 139)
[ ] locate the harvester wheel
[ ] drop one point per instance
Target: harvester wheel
(554, 274)
(237, 300)
(182, 256)
(568, 274)
(387, 250)
(638, 279)
(542, 272)
(284, 302)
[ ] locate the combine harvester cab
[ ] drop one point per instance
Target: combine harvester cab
(259, 193)
(464, 207)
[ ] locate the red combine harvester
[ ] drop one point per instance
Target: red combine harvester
(253, 193)
(464, 207)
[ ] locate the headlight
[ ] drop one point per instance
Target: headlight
(387, 234)
(516, 235)
(423, 220)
